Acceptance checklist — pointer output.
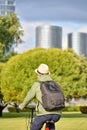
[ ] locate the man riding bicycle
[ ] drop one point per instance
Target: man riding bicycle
(43, 116)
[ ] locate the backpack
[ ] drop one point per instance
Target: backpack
(52, 96)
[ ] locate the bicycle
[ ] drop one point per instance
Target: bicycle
(30, 116)
(49, 125)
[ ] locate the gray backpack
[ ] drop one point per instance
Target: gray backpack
(52, 96)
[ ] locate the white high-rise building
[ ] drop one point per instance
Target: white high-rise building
(7, 7)
(48, 36)
(78, 42)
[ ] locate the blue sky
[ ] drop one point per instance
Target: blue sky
(71, 15)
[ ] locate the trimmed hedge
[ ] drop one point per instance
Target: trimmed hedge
(83, 109)
(68, 109)
(71, 108)
(13, 109)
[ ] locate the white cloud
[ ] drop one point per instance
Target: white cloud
(28, 38)
(84, 29)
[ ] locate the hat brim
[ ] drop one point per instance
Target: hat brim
(36, 71)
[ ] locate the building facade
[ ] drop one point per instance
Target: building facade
(7, 7)
(48, 36)
(78, 42)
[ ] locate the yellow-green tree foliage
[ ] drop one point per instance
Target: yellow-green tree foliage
(1, 68)
(10, 32)
(68, 69)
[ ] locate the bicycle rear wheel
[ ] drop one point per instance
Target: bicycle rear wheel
(50, 126)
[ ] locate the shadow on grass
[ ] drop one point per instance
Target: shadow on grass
(15, 115)
(27, 114)
(73, 115)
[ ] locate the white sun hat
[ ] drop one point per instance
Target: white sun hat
(42, 69)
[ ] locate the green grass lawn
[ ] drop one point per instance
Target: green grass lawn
(72, 121)
(68, 121)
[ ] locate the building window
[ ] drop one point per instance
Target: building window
(2, 12)
(7, 7)
(10, 2)
(2, 1)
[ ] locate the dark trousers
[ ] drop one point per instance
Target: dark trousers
(39, 121)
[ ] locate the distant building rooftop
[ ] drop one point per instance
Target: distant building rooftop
(7, 7)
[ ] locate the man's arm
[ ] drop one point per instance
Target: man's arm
(30, 95)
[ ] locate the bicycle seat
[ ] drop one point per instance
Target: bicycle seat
(50, 121)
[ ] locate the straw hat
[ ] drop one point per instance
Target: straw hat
(42, 69)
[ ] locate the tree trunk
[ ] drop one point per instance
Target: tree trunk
(1, 109)
(0, 113)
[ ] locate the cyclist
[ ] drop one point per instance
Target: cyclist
(43, 116)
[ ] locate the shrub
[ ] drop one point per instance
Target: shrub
(71, 108)
(83, 109)
(13, 109)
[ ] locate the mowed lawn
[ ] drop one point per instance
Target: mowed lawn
(68, 121)
(72, 121)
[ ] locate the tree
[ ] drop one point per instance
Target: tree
(67, 68)
(1, 52)
(2, 104)
(4, 58)
(10, 32)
